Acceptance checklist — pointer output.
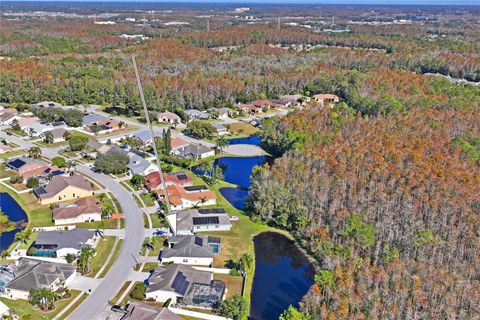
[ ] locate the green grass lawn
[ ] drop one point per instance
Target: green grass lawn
(241, 129)
(149, 266)
(112, 260)
(24, 309)
(74, 133)
(103, 249)
(115, 201)
(13, 153)
(157, 222)
(119, 293)
(74, 306)
(147, 199)
(102, 224)
(20, 133)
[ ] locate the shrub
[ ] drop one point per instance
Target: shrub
(138, 292)
(32, 182)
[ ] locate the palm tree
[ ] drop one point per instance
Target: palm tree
(23, 236)
(34, 152)
(221, 143)
(48, 137)
(84, 260)
(71, 165)
(43, 298)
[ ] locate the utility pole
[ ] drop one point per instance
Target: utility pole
(278, 23)
(152, 137)
(208, 24)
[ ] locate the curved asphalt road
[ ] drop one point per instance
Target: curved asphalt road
(96, 302)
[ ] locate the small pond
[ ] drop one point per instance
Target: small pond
(237, 170)
(253, 140)
(283, 276)
(14, 213)
(235, 196)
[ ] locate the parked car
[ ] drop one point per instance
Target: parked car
(118, 309)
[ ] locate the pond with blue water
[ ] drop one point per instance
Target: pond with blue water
(237, 170)
(14, 213)
(283, 275)
(253, 140)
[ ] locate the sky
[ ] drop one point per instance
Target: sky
(389, 2)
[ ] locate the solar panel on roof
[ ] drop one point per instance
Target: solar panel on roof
(199, 241)
(40, 190)
(180, 283)
(57, 172)
(211, 211)
(17, 163)
(182, 176)
(213, 240)
(205, 220)
(196, 188)
(47, 170)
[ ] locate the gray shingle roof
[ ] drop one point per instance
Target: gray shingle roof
(140, 311)
(177, 278)
(188, 246)
(75, 238)
(32, 274)
(59, 183)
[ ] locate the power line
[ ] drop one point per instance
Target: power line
(152, 137)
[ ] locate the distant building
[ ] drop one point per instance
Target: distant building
(168, 117)
(30, 274)
(177, 143)
(188, 222)
(139, 165)
(82, 210)
(196, 151)
(153, 180)
(196, 114)
(62, 188)
(57, 135)
(27, 121)
(185, 285)
(221, 130)
(224, 113)
(326, 98)
(58, 244)
(47, 104)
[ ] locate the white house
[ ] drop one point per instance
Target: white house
(188, 222)
(26, 274)
(191, 250)
(139, 165)
(4, 311)
(62, 243)
(194, 287)
(83, 210)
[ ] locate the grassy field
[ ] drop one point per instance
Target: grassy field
(13, 153)
(20, 133)
(74, 306)
(241, 129)
(233, 284)
(147, 199)
(102, 224)
(25, 310)
(114, 257)
(74, 133)
(149, 266)
(103, 250)
(38, 215)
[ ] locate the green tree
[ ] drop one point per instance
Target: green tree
(138, 181)
(16, 178)
(84, 259)
(70, 257)
(293, 314)
(23, 236)
(59, 162)
(325, 279)
(48, 137)
(234, 308)
(34, 152)
(16, 125)
(138, 292)
(200, 129)
(245, 262)
(167, 141)
(32, 182)
(112, 162)
(43, 298)
(221, 143)
(363, 234)
(78, 143)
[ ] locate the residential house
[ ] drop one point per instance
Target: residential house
(266, 104)
(168, 117)
(187, 222)
(248, 108)
(98, 147)
(47, 104)
(27, 121)
(58, 244)
(177, 143)
(34, 130)
(221, 130)
(5, 311)
(144, 137)
(30, 274)
(187, 197)
(294, 100)
(326, 98)
(58, 135)
(141, 311)
(82, 210)
(153, 181)
(28, 167)
(62, 188)
(224, 113)
(196, 151)
(185, 285)
(139, 165)
(191, 250)
(196, 114)
(7, 116)
(91, 119)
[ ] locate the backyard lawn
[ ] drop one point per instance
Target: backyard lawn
(241, 129)
(233, 284)
(24, 309)
(147, 199)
